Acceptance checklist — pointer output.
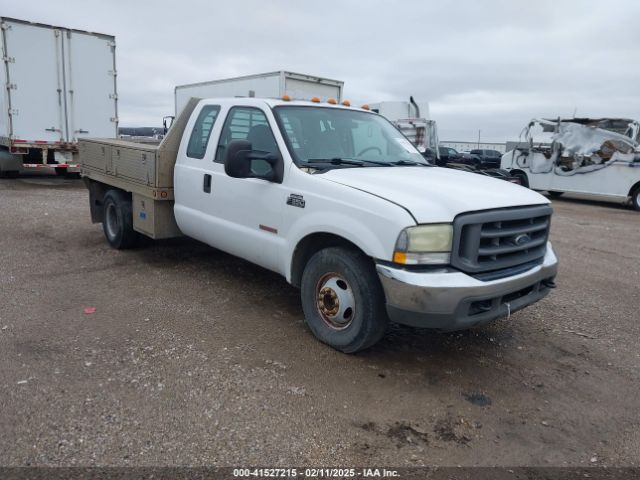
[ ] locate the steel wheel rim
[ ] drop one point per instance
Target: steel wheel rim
(335, 301)
(111, 220)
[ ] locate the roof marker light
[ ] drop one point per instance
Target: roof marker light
(332, 101)
(286, 98)
(365, 107)
(315, 100)
(346, 103)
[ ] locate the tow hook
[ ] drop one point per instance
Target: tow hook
(549, 283)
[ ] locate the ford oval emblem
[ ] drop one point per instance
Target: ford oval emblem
(521, 239)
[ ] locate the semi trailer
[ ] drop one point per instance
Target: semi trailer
(59, 87)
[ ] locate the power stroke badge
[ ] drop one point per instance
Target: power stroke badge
(296, 200)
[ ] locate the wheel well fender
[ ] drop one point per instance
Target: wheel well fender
(634, 187)
(97, 192)
(517, 171)
(311, 244)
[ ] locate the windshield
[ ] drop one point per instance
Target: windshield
(324, 134)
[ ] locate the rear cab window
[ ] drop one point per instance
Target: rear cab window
(201, 131)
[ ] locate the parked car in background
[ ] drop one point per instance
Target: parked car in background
(430, 156)
(488, 158)
(469, 159)
(447, 154)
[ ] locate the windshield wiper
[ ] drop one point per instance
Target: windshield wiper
(410, 162)
(333, 161)
(360, 162)
(350, 161)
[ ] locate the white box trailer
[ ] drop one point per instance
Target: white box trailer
(60, 86)
(264, 85)
(412, 119)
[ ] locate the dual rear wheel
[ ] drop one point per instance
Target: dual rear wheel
(635, 199)
(117, 222)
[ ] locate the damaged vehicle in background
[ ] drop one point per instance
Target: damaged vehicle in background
(581, 155)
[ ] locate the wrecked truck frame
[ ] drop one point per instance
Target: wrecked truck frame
(598, 156)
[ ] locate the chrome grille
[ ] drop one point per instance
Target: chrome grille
(499, 239)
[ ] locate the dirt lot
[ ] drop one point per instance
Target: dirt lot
(195, 357)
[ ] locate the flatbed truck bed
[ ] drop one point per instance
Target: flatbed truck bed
(143, 170)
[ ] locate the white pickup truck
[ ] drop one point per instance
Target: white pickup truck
(339, 202)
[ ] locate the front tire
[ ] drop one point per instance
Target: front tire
(343, 300)
(117, 222)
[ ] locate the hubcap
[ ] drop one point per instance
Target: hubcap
(111, 220)
(335, 301)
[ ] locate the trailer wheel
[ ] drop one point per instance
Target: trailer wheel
(117, 222)
(635, 199)
(343, 300)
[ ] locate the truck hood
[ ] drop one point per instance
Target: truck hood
(435, 194)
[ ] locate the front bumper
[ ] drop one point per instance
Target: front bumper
(455, 301)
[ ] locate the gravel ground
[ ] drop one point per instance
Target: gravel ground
(194, 357)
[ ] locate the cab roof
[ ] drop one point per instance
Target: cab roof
(276, 102)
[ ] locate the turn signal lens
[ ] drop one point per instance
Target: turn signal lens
(400, 257)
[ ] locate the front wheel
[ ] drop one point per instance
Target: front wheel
(117, 222)
(343, 300)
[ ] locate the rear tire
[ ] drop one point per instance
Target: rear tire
(343, 300)
(635, 199)
(117, 222)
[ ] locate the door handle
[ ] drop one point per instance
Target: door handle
(206, 184)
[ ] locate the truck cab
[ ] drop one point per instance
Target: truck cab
(340, 203)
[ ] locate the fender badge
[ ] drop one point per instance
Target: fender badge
(296, 200)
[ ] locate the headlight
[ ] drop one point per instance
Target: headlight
(424, 245)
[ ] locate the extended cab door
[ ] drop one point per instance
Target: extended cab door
(193, 171)
(242, 216)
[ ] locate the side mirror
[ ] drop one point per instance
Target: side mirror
(241, 161)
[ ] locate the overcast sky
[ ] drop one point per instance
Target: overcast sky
(482, 65)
